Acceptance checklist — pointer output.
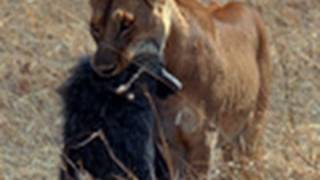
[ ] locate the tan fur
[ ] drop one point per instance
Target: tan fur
(221, 56)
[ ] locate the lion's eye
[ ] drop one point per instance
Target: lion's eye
(124, 22)
(125, 25)
(95, 31)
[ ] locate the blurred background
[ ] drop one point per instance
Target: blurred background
(40, 40)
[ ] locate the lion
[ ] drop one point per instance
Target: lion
(220, 54)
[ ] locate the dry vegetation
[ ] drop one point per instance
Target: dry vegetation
(40, 40)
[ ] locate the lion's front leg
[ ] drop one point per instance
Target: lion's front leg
(241, 149)
(193, 134)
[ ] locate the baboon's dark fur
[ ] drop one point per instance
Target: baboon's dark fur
(91, 104)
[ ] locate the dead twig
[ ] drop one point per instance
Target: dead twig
(165, 149)
(100, 135)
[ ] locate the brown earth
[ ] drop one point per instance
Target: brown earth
(40, 41)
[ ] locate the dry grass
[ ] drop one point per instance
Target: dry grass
(40, 40)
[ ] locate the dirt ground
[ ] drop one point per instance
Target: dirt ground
(40, 41)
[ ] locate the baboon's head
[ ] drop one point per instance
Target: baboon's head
(123, 29)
